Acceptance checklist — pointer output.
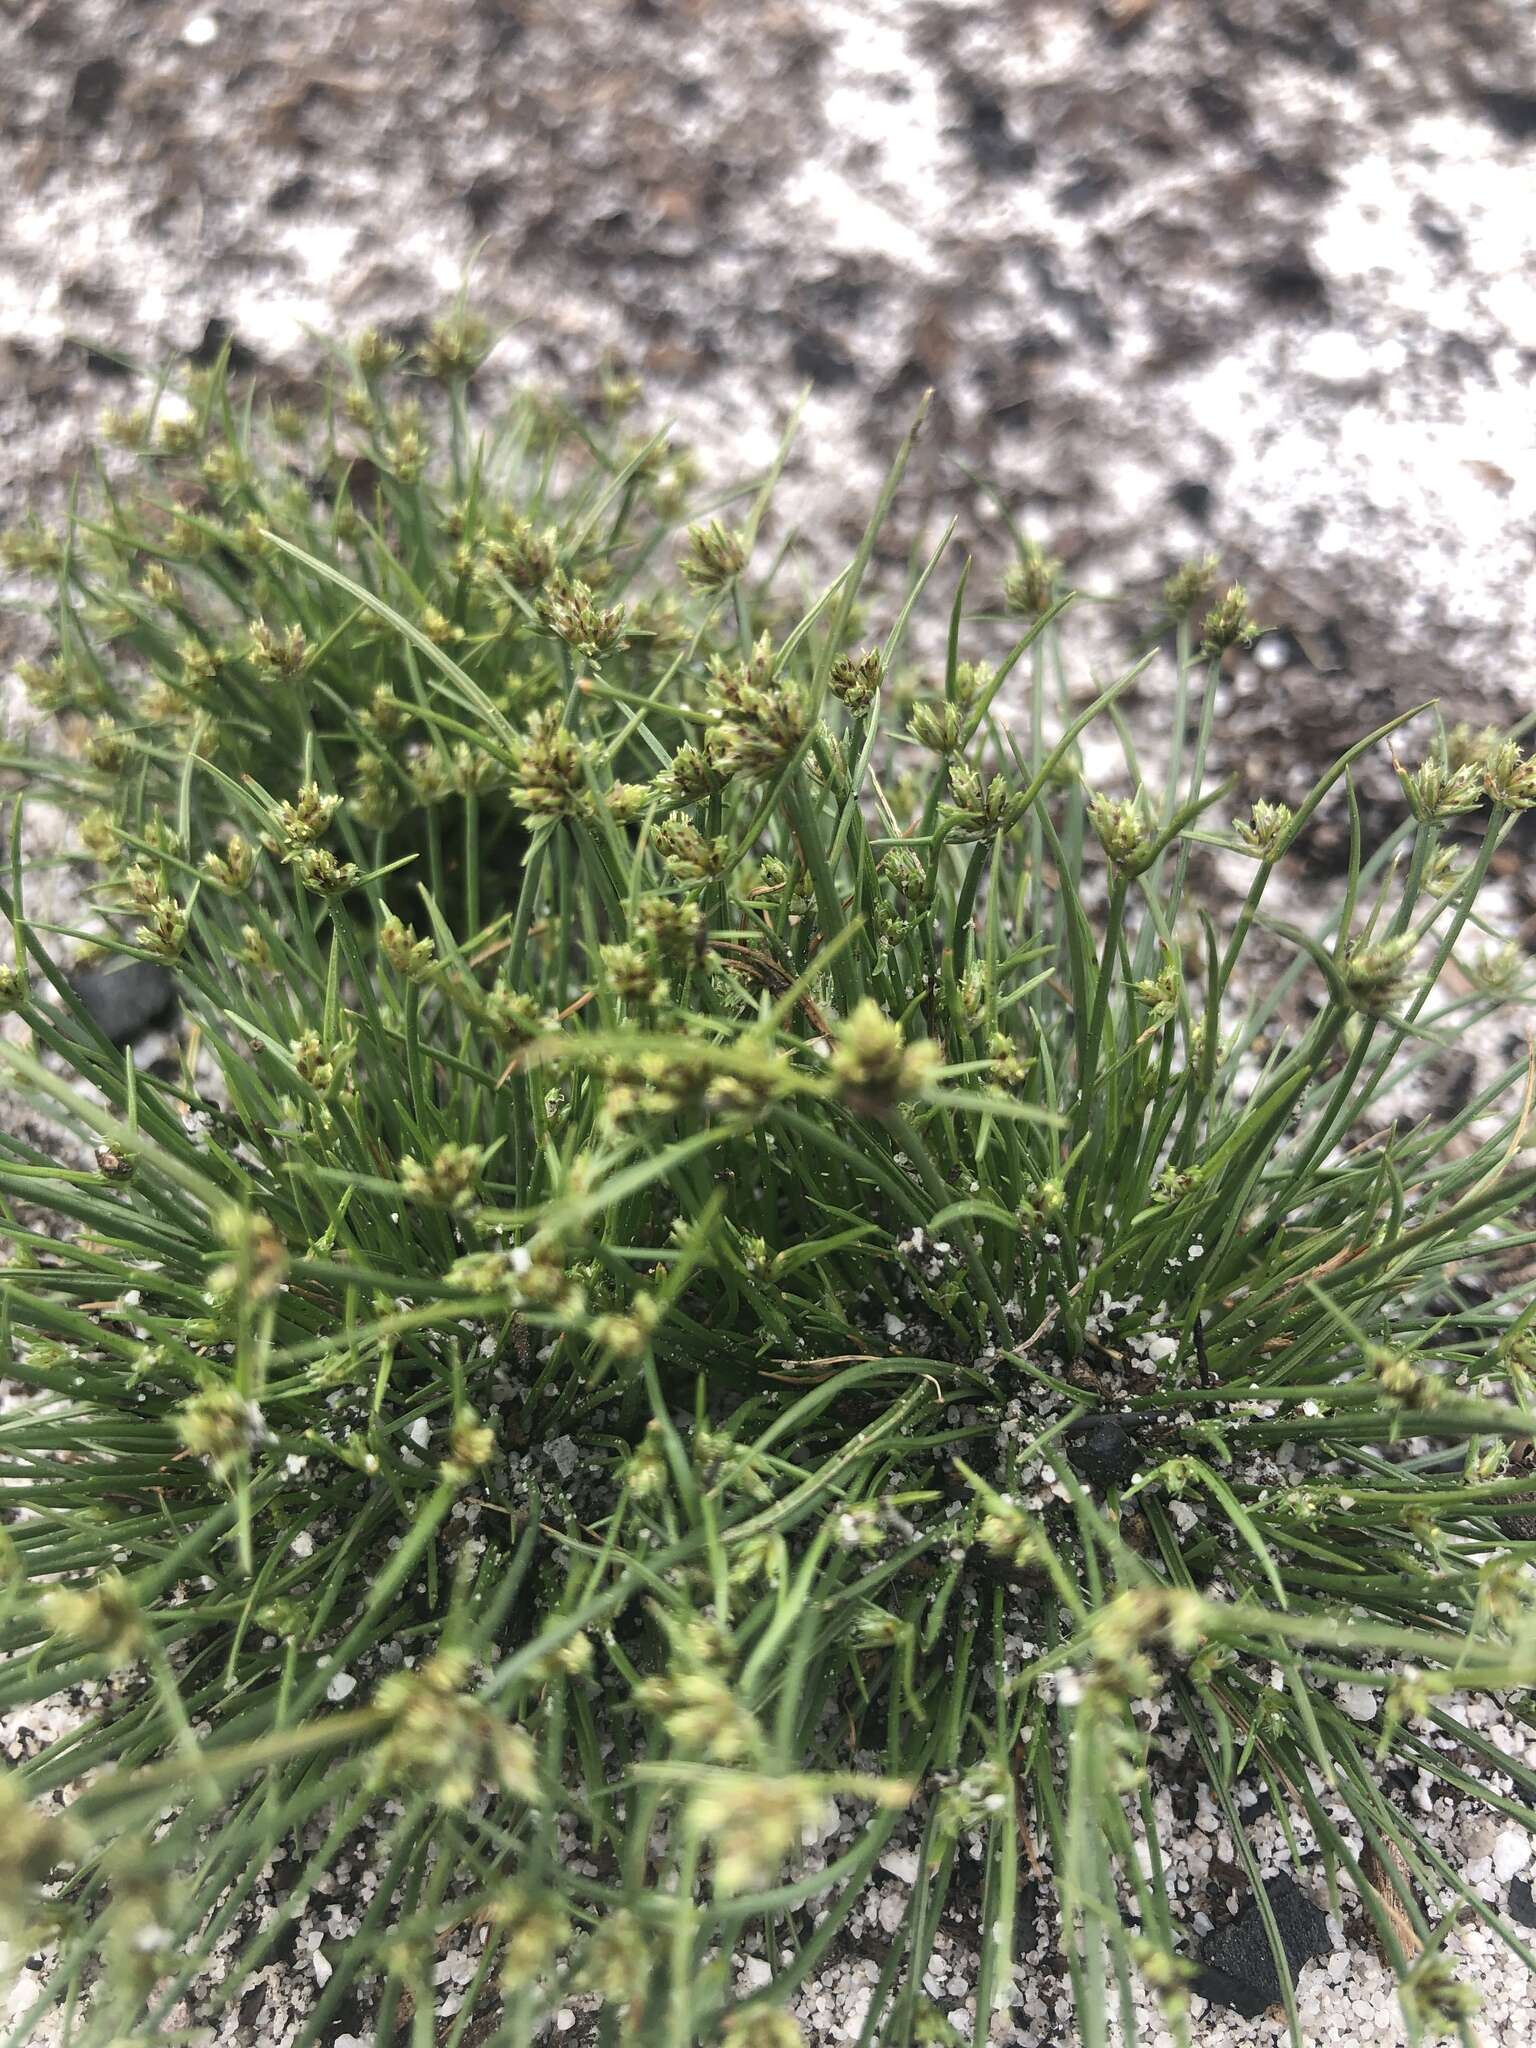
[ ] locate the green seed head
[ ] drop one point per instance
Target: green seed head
(855, 680)
(320, 871)
(448, 1182)
(1509, 778)
(1402, 1383)
(550, 773)
(1436, 791)
(1264, 832)
(1377, 975)
(715, 557)
(308, 818)
(33, 1845)
(936, 727)
(761, 2026)
(374, 353)
(570, 611)
(1189, 585)
(693, 775)
(980, 811)
(617, 1964)
(632, 973)
(163, 934)
(874, 1067)
(1030, 585)
(222, 1426)
(519, 556)
(687, 852)
(534, 1927)
(277, 657)
(230, 866)
(1122, 830)
(471, 1446)
(412, 958)
(103, 1619)
(752, 1824)
(1434, 1998)
(1229, 623)
(456, 347)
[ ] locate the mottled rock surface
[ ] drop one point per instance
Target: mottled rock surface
(1256, 275)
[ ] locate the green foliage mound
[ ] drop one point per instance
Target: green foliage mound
(721, 1234)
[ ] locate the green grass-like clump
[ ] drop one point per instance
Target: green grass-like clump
(723, 1233)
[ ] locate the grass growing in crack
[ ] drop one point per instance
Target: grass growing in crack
(724, 1235)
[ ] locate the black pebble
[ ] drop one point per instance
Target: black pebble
(1017, 416)
(101, 365)
(1522, 1902)
(506, 28)
(291, 194)
(94, 93)
(125, 1000)
(484, 198)
(993, 146)
(1193, 498)
(1239, 1968)
(822, 360)
(1217, 106)
(1438, 228)
(1102, 1450)
(216, 333)
(1038, 345)
(1089, 186)
(1331, 646)
(1291, 284)
(1512, 113)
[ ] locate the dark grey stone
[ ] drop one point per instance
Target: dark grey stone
(1238, 1965)
(1512, 113)
(127, 998)
(1102, 1450)
(94, 93)
(822, 360)
(291, 194)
